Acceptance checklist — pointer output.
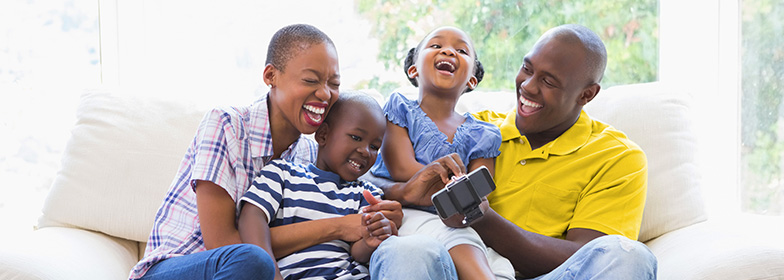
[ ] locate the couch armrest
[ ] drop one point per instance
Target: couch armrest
(742, 247)
(67, 253)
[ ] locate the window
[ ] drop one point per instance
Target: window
(762, 109)
(49, 51)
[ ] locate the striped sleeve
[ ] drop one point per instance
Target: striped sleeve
(266, 191)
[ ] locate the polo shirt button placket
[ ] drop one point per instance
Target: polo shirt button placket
(522, 162)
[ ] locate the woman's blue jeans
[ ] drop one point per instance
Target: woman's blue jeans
(238, 261)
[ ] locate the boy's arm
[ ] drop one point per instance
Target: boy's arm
(398, 153)
(254, 229)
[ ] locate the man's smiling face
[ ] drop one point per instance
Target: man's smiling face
(550, 85)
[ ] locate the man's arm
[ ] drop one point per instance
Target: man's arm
(531, 254)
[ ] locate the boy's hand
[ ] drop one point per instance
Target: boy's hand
(377, 229)
(391, 209)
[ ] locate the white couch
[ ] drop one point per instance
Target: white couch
(124, 152)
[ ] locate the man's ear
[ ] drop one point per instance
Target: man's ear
(589, 93)
(472, 82)
(412, 72)
(321, 134)
(269, 75)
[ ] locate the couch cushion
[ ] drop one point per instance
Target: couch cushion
(66, 253)
(726, 247)
(122, 155)
(660, 122)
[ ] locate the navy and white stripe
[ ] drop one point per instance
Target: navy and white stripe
(290, 193)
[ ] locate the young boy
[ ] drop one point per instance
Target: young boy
(288, 193)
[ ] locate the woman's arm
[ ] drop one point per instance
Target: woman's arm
(254, 229)
(287, 239)
(216, 215)
(398, 153)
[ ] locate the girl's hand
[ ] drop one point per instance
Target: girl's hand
(377, 229)
(432, 178)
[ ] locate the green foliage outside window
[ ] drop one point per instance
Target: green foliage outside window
(504, 31)
(762, 115)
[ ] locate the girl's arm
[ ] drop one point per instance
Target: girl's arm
(398, 153)
(487, 162)
(216, 213)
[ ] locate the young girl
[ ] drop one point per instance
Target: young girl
(194, 235)
(444, 66)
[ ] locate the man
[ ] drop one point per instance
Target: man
(570, 190)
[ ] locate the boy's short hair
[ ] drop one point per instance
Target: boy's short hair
(352, 98)
(290, 40)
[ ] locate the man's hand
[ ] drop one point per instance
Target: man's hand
(456, 221)
(432, 178)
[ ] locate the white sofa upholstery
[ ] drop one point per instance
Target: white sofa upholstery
(124, 152)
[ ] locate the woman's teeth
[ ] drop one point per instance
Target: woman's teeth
(314, 109)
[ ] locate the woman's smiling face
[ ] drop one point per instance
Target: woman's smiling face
(303, 92)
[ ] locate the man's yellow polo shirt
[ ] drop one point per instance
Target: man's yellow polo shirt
(592, 177)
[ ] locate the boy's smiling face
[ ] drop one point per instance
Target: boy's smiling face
(349, 143)
(305, 89)
(445, 61)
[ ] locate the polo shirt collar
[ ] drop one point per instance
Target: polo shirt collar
(571, 140)
(259, 126)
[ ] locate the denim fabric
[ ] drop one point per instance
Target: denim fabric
(411, 257)
(238, 261)
(608, 257)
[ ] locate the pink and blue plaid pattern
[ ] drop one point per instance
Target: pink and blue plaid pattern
(229, 149)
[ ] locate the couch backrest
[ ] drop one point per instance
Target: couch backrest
(659, 121)
(124, 152)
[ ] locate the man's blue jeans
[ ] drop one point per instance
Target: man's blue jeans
(411, 257)
(238, 261)
(607, 257)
